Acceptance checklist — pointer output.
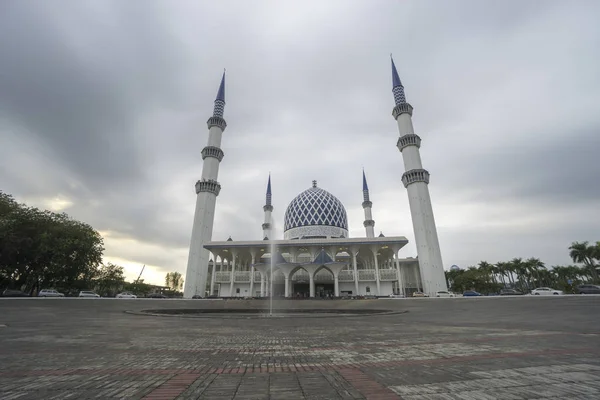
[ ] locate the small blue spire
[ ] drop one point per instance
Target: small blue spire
(365, 188)
(221, 92)
(397, 88)
(395, 78)
(220, 100)
(269, 191)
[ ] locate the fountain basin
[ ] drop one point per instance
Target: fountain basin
(263, 313)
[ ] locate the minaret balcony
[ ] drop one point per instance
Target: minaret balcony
(266, 225)
(208, 185)
(216, 121)
(409, 139)
(415, 175)
(369, 222)
(212, 151)
(367, 204)
(267, 207)
(402, 108)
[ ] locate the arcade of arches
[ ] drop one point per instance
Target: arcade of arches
(312, 268)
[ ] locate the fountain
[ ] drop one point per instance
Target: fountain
(273, 258)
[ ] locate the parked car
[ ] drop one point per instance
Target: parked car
(588, 289)
(50, 293)
(126, 295)
(197, 296)
(443, 293)
(471, 293)
(420, 294)
(510, 292)
(88, 293)
(543, 291)
(396, 296)
(14, 293)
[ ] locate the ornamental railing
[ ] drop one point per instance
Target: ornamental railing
(366, 275)
(242, 276)
(346, 276)
(223, 276)
(387, 275)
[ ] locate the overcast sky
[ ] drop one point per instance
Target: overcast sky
(103, 109)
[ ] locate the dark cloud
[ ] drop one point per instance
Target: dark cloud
(103, 106)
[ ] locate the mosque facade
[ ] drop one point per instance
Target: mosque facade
(316, 257)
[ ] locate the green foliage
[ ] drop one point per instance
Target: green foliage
(110, 280)
(139, 288)
(526, 275)
(45, 249)
(174, 280)
(588, 255)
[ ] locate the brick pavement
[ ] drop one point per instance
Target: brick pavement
(441, 349)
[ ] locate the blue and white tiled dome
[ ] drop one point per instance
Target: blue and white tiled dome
(315, 213)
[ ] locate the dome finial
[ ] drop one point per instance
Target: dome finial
(314, 183)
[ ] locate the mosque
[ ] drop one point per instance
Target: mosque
(316, 257)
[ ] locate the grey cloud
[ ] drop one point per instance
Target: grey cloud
(111, 99)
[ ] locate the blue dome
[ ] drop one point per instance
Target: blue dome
(316, 207)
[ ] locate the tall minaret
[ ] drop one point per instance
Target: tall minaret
(268, 208)
(416, 181)
(207, 190)
(369, 223)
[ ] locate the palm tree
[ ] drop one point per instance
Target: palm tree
(583, 253)
(174, 280)
(487, 270)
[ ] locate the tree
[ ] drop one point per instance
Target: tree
(586, 254)
(110, 280)
(174, 280)
(45, 249)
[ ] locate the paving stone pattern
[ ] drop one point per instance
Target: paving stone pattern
(513, 348)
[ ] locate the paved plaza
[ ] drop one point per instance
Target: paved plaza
(463, 348)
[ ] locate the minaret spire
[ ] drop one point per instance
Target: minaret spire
(367, 205)
(268, 209)
(416, 182)
(207, 190)
(220, 100)
(397, 88)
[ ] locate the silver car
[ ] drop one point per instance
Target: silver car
(88, 293)
(50, 293)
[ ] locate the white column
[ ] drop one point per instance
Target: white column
(212, 278)
(287, 287)
(355, 271)
(252, 278)
(398, 274)
(262, 284)
(336, 284)
(312, 284)
(232, 275)
(374, 251)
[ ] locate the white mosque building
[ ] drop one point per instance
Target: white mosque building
(316, 257)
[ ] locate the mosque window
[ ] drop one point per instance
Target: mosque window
(368, 289)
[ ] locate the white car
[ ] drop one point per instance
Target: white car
(419, 294)
(126, 295)
(546, 291)
(396, 296)
(87, 293)
(443, 293)
(50, 293)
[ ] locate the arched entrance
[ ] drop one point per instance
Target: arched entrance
(300, 279)
(324, 283)
(278, 283)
